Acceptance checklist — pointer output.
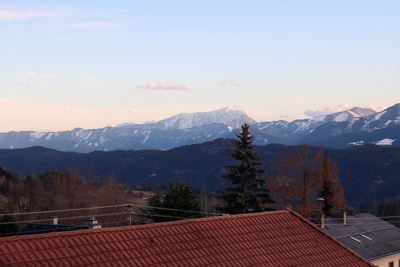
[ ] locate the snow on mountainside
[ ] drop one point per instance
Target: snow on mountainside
(356, 126)
(178, 130)
(342, 116)
(385, 142)
(298, 129)
(348, 115)
(386, 118)
(370, 129)
(230, 117)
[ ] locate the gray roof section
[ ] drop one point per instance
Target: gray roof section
(366, 234)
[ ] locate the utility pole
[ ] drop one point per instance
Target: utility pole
(203, 197)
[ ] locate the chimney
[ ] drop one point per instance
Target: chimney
(92, 223)
(344, 217)
(322, 221)
(54, 220)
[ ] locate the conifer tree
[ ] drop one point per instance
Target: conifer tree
(179, 202)
(246, 190)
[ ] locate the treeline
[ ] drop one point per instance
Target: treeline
(390, 207)
(55, 190)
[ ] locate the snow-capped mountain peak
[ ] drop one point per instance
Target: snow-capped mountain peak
(356, 126)
(346, 115)
(231, 117)
(380, 120)
(361, 112)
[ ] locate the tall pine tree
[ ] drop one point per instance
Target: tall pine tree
(246, 190)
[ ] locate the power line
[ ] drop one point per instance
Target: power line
(94, 215)
(64, 210)
(349, 219)
(61, 228)
(105, 207)
(161, 216)
(66, 227)
(350, 224)
(186, 211)
(64, 218)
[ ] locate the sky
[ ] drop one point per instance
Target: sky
(93, 63)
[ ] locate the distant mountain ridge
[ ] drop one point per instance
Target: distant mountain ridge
(233, 118)
(356, 126)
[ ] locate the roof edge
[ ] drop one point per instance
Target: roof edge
(143, 226)
(328, 235)
(384, 256)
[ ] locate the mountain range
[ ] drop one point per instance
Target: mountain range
(369, 173)
(353, 127)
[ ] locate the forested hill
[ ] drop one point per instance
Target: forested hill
(368, 172)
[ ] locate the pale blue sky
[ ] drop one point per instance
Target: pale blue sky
(66, 64)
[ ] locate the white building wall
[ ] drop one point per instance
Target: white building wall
(384, 262)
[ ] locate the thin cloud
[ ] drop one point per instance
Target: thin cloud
(31, 74)
(339, 108)
(82, 21)
(286, 117)
(11, 101)
(25, 15)
(48, 76)
(325, 111)
(96, 25)
(229, 83)
(92, 77)
(42, 76)
(164, 86)
(24, 84)
(9, 15)
(85, 26)
(375, 107)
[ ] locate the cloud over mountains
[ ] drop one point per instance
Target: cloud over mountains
(166, 86)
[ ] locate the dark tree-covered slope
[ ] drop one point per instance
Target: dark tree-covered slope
(368, 172)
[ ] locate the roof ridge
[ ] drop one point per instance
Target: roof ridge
(143, 226)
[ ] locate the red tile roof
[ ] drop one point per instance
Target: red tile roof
(281, 238)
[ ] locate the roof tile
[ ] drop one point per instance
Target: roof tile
(265, 239)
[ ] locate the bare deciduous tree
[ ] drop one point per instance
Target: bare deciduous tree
(297, 179)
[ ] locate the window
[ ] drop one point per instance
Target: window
(391, 264)
(366, 237)
(357, 240)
